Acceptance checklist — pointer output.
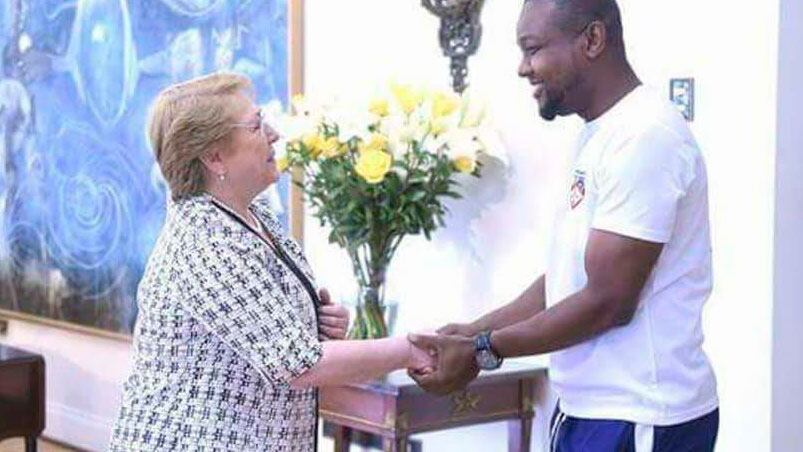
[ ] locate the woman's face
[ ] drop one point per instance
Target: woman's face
(249, 157)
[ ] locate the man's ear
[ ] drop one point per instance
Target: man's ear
(596, 39)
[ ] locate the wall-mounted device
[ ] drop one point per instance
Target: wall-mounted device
(681, 93)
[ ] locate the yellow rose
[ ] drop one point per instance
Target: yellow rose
(311, 140)
(407, 97)
(373, 165)
(378, 142)
(282, 163)
(379, 107)
(438, 126)
(330, 147)
(444, 104)
(465, 164)
(314, 144)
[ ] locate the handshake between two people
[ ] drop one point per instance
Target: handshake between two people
(441, 362)
(444, 361)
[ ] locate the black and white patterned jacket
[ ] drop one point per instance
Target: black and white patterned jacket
(223, 327)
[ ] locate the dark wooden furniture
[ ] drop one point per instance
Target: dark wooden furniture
(22, 395)
(395, 407)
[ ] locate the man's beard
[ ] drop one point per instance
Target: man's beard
(555, 102)
(550, 110)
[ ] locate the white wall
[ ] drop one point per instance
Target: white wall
(787, 370)
(730, 48)
(83, 380)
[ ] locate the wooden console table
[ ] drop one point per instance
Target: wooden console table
(22, 395)
(395, 407)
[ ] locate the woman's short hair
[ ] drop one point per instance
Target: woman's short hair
(186, 120)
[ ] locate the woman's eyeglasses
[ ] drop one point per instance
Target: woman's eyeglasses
(258, 125)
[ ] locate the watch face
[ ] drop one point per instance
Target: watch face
(487, 360)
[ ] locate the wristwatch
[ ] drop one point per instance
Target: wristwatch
(484, 354)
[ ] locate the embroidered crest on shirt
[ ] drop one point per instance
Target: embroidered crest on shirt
(578, 190)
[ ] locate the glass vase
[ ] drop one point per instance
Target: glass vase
(369, 317)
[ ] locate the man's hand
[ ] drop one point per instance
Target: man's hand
(455, 368)
(458, 329)
(333, 319)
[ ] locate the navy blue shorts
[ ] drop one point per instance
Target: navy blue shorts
(571, 434)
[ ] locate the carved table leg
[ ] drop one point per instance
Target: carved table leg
(519, 432)
(30, 444)
(398, 444)
(342, 439)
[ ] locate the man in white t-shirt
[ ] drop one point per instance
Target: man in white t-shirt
(620, 305)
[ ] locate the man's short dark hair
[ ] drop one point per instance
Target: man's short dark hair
(574, 15)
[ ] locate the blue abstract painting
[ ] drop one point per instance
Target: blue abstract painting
(81, 198)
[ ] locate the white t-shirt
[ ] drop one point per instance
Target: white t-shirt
(638, 173)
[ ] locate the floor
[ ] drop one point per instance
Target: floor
(491, 437)
(18, 445)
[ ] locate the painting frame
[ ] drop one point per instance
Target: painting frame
(295, 203)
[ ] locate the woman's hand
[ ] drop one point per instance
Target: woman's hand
(422, 361)
(333, 319)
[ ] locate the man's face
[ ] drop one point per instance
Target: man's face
(548, 59)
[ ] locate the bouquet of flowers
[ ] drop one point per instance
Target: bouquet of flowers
(381, 171)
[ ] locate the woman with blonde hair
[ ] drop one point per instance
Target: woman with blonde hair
(232, 338)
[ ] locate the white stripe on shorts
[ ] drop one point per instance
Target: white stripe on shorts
(643, 437)
(553, 437)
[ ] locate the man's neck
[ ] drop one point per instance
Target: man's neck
(614, 86)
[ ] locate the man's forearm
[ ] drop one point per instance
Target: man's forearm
(576, 319)
(529, 303)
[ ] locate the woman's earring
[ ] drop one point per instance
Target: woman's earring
(222, 176)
